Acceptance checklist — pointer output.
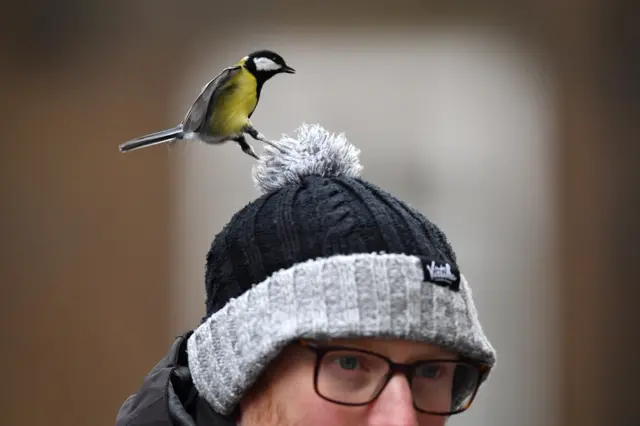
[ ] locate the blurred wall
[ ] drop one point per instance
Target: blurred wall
(85, 230)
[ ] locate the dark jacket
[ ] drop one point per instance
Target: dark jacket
(167, 396)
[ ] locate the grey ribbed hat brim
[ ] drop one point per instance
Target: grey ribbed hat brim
(359, 295)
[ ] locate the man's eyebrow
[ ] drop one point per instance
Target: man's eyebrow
(431, 353)
(435, 355)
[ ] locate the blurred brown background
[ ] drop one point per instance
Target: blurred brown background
(513, 126)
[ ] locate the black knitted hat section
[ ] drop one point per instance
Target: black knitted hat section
(320, 217)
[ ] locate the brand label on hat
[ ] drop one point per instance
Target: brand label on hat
(441, 273)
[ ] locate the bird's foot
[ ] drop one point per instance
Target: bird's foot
(252, 153)
(262, 138)
(273, 144)
(246, 148)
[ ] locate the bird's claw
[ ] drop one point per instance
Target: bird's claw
(272, 144)
(252, 153)
(262, 138)
(246, 148)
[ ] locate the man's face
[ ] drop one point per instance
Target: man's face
(286, 395)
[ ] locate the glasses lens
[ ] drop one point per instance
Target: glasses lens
(444, 387)
(350, 377)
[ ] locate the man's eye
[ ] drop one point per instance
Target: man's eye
(429, 371)
(348, 362)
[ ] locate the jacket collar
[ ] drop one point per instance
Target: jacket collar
(168, 397)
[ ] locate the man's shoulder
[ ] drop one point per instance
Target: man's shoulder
(168, 397)
(167, 394)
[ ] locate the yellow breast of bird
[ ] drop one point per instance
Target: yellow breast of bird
(233, 104)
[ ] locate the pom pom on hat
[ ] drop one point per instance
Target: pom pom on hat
(312, 152)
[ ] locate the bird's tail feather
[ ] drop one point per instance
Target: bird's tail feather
(156, 138)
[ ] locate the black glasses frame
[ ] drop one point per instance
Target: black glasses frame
(406, 370)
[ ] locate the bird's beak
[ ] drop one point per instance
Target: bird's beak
(288, 70)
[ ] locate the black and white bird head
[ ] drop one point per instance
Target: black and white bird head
(264, 64)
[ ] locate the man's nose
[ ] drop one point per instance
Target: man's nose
(394, 406)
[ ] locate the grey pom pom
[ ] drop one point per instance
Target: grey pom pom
(313, 152)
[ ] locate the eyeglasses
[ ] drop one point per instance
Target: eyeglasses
(350, 376)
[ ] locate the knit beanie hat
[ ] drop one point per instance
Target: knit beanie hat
(323, 254)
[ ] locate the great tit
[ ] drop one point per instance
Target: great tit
(222, 110)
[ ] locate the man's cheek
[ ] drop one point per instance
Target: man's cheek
(310, 409)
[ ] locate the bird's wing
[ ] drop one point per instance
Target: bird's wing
(196, 114)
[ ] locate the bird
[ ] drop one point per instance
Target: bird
(222, 111)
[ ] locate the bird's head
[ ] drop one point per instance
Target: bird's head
(264, 64)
